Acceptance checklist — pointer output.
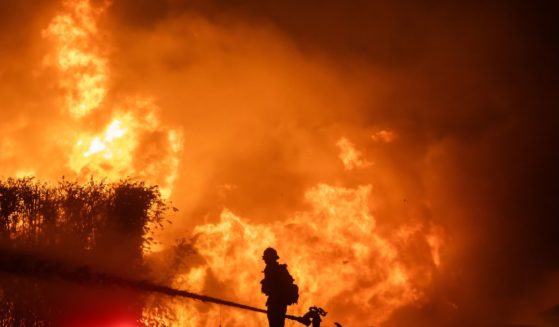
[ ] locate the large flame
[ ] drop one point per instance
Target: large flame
(77, 55)
(334, 250)
(133, 142)
(387, 164)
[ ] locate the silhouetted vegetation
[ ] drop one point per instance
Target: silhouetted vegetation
(96, 224)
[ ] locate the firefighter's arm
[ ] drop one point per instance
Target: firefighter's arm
(265, 286)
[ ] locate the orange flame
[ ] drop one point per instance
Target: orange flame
(78, 57)
(334, 251)
(122, 149)
(350, 156)
(337, 239)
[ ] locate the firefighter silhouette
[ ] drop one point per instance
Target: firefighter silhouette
(279, 287)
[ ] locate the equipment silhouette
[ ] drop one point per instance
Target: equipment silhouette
(26, 265)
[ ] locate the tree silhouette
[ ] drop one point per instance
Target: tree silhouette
(96, 224)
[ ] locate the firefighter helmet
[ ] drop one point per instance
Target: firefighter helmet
(270, 253)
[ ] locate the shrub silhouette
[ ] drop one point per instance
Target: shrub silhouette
(96, 224)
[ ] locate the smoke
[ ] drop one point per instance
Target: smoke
(264, 92)
(468, 88)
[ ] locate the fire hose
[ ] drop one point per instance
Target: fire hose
(25, 265)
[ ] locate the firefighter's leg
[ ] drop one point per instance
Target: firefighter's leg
(276, 315)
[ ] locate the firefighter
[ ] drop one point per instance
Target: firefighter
(279, 287)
